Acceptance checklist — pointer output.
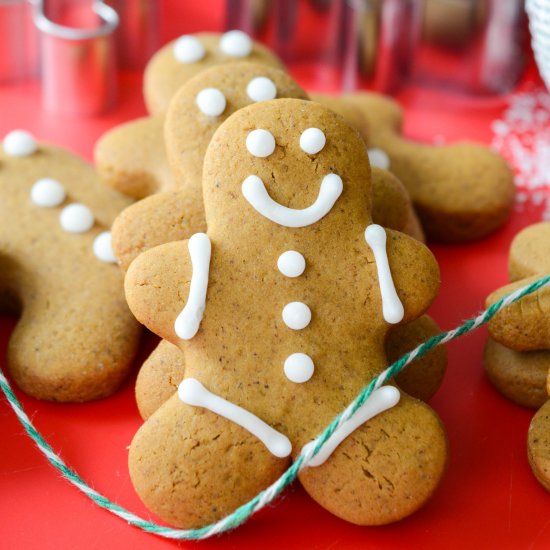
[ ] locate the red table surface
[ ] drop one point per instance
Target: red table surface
(488, 499)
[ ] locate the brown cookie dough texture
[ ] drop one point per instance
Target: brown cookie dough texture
(164, 369)
(75, 338)
(538, 445)
(192, 466)
(517, 353)
(166, 72)
(461, 192)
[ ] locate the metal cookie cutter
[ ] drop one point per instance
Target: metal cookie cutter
(78, 57)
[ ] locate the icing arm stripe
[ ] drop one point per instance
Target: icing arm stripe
(192, 392)
(188, 321)
(255, 193)
(380, 400)
(392, 308)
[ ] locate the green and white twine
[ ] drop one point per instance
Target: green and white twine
(244, 512)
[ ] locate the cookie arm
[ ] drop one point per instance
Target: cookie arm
(523, 325)
(413, 271)
(131, 158)
(166, 287)
(461, 191)
(161, 218)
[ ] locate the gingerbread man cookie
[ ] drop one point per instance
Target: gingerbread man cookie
(282, 311)
(185, 57)
(517, 353)
(461, 192)
(75, 339)
(175, 215)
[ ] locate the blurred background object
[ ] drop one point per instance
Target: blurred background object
(539, 25)
(474, 46)
(471, 45)
(77, 56)
(18, 41)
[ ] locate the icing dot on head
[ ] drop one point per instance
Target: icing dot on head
(19, 143)
(211, 102)
(47, 193)
(188, 49)
(76, 218)
(312, 140)
(291, 263)
(296, 315)
(261, 88)
(103, 247)
(260, 143)
(236, 44)
(298, 367)
(379, 158)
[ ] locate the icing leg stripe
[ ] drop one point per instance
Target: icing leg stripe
(380, 400)
(192, 392)
(188, 321)
(392, 308)
(255, 193)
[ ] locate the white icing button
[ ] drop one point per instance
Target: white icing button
(296, 315)
(312, 140)
(236, 44)
(211, 102)
(261, 88)
(298, 367)
(187, 49)
(379, 158)
(47, 193)
(103, 248)
(76, 218)
(260, 143)
(19, 143)
(291, 263)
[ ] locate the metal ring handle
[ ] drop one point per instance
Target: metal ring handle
(108, 15)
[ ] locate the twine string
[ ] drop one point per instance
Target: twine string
(265, 497)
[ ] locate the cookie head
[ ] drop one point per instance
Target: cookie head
(287, 162)
(207, 100)
(186, 56)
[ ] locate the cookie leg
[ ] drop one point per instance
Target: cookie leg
(422, 378)
(192, 467)
(159, 377)
(161, 218)
(76, 338)
(385, 470)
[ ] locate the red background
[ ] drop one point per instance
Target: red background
(489, 499)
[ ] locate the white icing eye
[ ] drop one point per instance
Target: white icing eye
(379, 158)
(103, 248)
(47, 193)
(76, 218)
(291, 263)
(236, 44)
(187, 49)
(296, 315)
(211, 102)
(261, 88)
(19, 143)
(312, 140)
(260, 143)
(298, 367)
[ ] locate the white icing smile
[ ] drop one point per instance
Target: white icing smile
(256, 194)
